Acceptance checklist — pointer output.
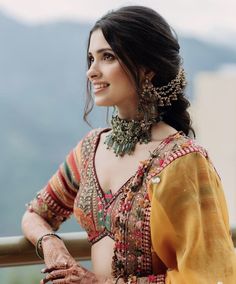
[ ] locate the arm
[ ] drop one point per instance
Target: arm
(189, 223)
(34, 226)
(56, 254)
(54, 250)
(52, 206)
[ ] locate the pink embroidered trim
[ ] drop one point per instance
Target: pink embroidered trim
(175, 155)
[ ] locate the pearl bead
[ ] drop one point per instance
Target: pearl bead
(156, 180)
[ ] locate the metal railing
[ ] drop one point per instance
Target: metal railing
(16, 251)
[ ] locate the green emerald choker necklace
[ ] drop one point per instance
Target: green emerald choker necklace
(126, 134)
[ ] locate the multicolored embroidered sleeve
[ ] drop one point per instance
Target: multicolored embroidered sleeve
(56, 200)
(189, 223)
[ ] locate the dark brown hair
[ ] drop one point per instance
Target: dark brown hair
(141, 38)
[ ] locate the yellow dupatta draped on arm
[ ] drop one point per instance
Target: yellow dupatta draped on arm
(189, 223)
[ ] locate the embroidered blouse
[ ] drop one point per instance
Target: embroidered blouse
(170, 216)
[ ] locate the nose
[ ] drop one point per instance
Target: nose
(93, 72)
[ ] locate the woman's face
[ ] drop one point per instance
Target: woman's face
(110, 83)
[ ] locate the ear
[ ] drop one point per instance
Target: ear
(147, 73)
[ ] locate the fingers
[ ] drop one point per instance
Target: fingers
(60, 282)
(65, 281)
(70, 275)
(72, 279)
(57, 266)
(55, 274)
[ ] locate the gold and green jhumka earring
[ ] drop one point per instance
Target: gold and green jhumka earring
(126, 134)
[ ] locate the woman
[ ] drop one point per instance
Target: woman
(145, 192)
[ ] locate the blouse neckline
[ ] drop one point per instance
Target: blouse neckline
(108, 201)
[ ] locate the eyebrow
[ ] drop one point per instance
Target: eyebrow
(101, 50)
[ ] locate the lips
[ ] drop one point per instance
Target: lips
(100, 86)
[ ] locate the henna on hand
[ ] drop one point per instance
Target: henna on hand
(75, 275)
(56, 255)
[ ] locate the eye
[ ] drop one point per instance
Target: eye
(90, 59)
(108, 56)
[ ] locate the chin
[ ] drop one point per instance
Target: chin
(103, 103)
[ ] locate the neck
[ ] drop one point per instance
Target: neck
(127, 113)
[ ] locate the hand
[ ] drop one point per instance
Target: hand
(75, 275)
(56, 255)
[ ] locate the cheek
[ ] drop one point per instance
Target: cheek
(120, 81)
(116, 72)
(121, 78)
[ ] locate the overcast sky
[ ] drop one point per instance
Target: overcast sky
(204, 18)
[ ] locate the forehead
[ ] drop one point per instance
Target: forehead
(97, 41)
